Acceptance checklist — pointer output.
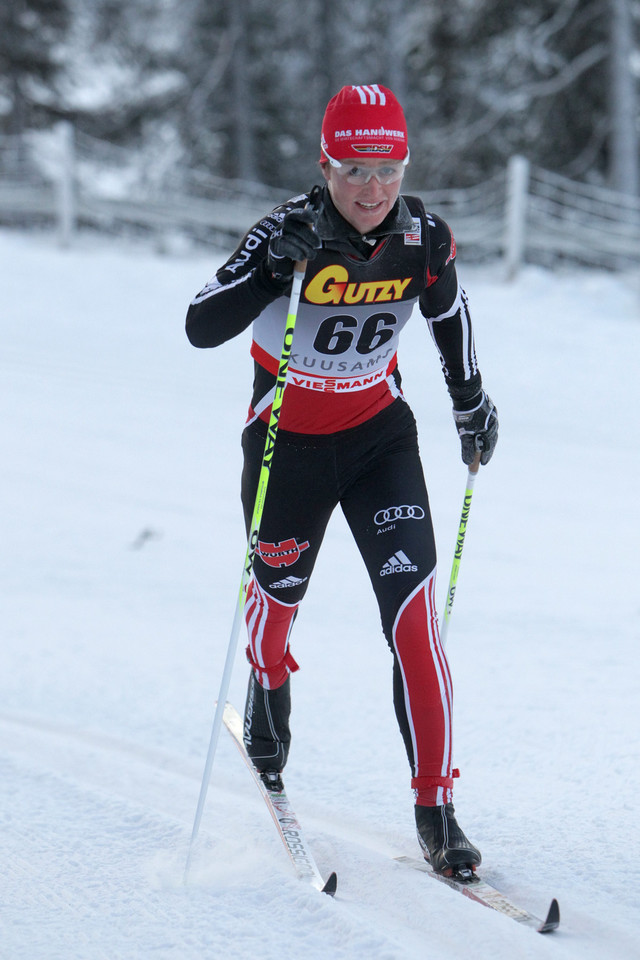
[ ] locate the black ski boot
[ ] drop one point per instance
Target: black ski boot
(266, 730)
(443, 843)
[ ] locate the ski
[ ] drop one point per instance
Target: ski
(290, 832)
(474, 887)
(279, 807)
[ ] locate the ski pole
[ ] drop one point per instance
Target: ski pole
(252, 544)
(462, 529)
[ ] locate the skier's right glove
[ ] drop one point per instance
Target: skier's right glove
(295, 239)
(477, 429)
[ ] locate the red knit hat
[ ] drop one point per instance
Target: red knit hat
(364, 121)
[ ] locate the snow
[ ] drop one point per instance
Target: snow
(123, 548)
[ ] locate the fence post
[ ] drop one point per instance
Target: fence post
(515, 214)
(65, 187)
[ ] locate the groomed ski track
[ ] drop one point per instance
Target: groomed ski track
(110, 873)
(122, 546)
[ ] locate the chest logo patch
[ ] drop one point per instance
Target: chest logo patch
(331, 285)
(414, 236)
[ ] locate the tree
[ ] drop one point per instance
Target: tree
(124, 70)
(238, 87)
(503, 78)
(241, 92)
(624, 136)
(31, 38)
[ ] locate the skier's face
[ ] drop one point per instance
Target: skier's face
(364, 205)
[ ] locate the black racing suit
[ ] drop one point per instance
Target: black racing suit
(346, 435)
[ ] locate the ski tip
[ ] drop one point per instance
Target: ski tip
(553, 918)
(331, 885)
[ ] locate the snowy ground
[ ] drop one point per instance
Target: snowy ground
(122, 552)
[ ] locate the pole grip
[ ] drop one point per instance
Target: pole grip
(474, 466)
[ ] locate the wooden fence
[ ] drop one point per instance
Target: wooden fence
(524, 214)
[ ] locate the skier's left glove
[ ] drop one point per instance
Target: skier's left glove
(477, 428)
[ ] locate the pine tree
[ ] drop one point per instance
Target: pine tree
(31, 55)
(507, 78)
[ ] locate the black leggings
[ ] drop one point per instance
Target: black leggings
(374, 472)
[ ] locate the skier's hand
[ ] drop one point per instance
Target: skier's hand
(477, 429)
(295, 239)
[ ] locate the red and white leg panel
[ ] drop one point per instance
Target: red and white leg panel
(269, 623)
(427, 692)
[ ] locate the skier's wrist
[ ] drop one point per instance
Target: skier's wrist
(466, 394)
(270, 282)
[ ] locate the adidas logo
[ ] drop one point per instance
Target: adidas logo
(398, 563)
(287, 582)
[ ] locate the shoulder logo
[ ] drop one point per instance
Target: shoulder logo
(452, 251)
(413, 237)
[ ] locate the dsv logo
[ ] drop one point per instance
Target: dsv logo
(405, 512)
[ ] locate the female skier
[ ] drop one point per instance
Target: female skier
(346, 433)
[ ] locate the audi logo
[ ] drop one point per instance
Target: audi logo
(404, 512)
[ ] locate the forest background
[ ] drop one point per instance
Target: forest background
(238, 88)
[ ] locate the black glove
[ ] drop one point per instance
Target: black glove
(295, 239)
(477, 429)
